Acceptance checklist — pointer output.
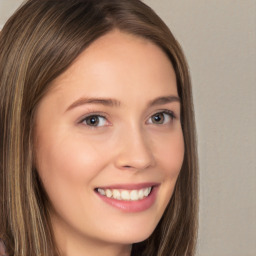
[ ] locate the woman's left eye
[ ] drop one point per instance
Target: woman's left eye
(94, 121)
(163, 117)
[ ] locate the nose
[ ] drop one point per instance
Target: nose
(134, 150)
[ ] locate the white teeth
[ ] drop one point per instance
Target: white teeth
(141, 193)
(147, 191)
(101, 191)
(116, 194)
(134, 195)
(108, 193)
(126, 195)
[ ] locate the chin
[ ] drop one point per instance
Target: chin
(131, 235)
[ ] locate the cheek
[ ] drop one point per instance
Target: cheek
(67, 165)
(67, 168)
(170, 154)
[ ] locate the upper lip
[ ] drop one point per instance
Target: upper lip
(131, 186)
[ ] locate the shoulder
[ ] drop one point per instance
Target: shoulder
(2, 249)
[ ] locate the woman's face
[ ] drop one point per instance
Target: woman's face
(109, 143)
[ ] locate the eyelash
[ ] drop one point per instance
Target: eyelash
(91, 115)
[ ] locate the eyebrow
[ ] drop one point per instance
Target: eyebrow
(164, 100)
(115, 103)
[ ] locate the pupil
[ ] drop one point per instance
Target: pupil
(93, 120)
(158, 118)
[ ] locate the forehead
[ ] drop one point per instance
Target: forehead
(117, 63)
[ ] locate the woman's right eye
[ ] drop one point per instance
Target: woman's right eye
(94, 121)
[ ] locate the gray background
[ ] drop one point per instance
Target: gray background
(219, 40)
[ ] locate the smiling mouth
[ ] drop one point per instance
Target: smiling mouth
(125, 195)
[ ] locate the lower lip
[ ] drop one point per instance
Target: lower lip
(132, 206)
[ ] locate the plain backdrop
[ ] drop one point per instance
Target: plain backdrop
(219, 40)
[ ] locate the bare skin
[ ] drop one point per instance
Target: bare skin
(112, 118)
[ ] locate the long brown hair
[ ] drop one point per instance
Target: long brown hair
(38, 43)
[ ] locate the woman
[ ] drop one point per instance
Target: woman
(98, 152)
